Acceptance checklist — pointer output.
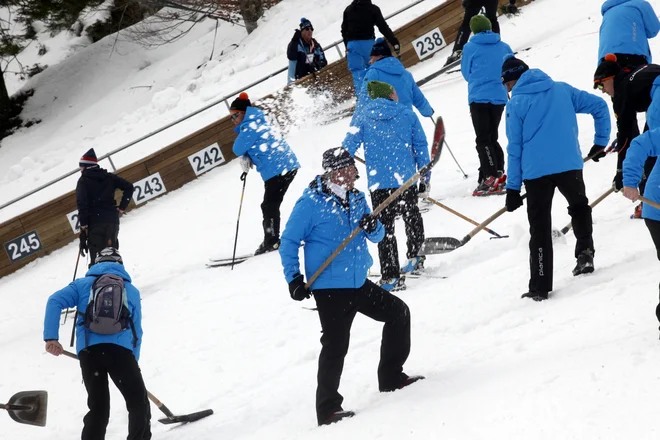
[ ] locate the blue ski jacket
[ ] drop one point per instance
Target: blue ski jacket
(390, 70)
(77, 294)
(542, 130)
(395, 146)
(322, 222)
(644, 146)
(627, 25)
(481, 66)
(269, 152)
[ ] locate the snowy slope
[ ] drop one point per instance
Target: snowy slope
(580, 366)
(104, 99)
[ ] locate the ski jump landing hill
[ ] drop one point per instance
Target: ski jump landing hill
(52, 225)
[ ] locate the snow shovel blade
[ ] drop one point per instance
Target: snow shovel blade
(28, 407)
(187, 418)
(440, 245)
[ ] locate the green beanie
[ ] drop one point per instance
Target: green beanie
(480, 23)
(379, 89)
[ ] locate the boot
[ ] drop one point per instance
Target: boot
(409, 380)
(268, 245)
(392, 284)
(337, 416)
(414, 266)
(585, 262)
(485, 187)
(536, 296)
(454, 57)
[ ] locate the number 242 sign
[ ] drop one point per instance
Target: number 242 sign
(429, 43)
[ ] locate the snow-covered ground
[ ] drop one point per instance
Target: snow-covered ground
(580, 366)
(105, 98)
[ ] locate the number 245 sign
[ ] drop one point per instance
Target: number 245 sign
(429, 43)
(23, 246)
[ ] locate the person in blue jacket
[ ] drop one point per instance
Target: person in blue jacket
(481, 66)
(627, 25)
(305, 54)
(395, 148)
(641, 148)
(326, 214)
(103, 355)
(259, 145)
(544, 153)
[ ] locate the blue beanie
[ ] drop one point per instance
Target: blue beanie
(305, 23)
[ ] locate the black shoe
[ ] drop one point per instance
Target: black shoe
(536, 296)
(267, 247)
(585, 263)
(407, 381)
(337, 416)
(456, 56)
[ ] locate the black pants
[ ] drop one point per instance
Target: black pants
(337, 309)
(472, 8)
(274, 190)
(486, 121)
(539, 203)
(654, 228)
(97, 363)
(102, 235)
(406, 205)
(648, 167)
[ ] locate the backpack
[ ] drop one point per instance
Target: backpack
(107, 311)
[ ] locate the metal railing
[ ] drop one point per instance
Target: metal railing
(224, 99)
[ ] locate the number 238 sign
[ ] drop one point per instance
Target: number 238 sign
(429, 43)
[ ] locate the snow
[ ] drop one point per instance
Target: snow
(582, 365)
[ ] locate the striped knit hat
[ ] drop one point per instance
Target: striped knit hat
(88, 159)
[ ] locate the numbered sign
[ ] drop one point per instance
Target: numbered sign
(205, 159)
(429, 43)
(74, 221)
(23, 246)
(148, 188)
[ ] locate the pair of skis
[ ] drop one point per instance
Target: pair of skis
(223, 262)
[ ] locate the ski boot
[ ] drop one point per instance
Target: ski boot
(336, 417)
(536, 296)
(267, 246)
(414, 266)
(585, 262)
(454, 58)
(638, 212)
(409, 380)
(488, 184)
(392, 284)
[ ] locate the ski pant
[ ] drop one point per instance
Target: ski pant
(100, 236)
(406, 206)
(472, 8)
(654, 229)
(274, 190)
(337, 309)
(358, 53)
(486, 121)
(97, 363)
(539, 203)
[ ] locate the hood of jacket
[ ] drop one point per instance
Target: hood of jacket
(389, 65)
(381, 109)
(361, 2)
(252, 114)
(609, 4)
(532, 81)
(486, 37)
(96, 173)
(108, 267)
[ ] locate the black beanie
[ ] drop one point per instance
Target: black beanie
(336, 159)
(241, 103)
(381, 48)
(513, 68)
(608, 68)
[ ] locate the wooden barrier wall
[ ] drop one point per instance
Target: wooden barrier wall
(46, 228)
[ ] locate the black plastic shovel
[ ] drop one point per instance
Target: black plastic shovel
(28, 407)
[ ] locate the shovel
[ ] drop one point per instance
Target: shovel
(28, 407)
(171, 418)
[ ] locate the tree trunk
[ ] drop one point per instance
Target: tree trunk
(4, 95)
(251, 10)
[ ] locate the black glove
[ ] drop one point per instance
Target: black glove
(369, 223)
(513, 200)
(597, 152)
(617, 183)
(83, 242)
(297, 288)
(614, 146)
(510, 9)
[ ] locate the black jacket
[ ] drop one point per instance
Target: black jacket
(360, 17)
(298, 50)
(632, 95)
(95, 194)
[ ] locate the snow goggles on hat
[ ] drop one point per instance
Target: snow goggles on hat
(598, 83)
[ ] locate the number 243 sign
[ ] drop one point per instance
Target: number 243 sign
(429, 43)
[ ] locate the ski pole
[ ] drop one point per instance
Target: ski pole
(452, 154)
(171, 418)
(240, 207)
(440, 136)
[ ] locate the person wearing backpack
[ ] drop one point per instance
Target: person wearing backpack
(109, 333)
